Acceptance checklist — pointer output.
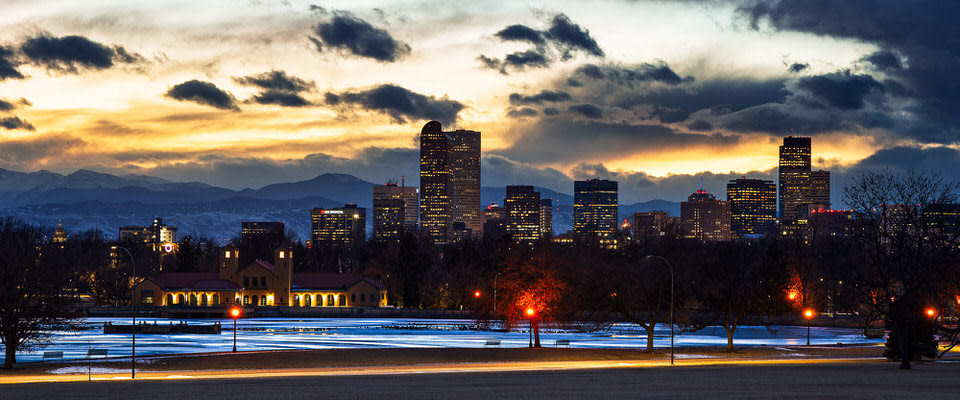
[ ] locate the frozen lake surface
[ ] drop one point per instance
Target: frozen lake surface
(330, 333)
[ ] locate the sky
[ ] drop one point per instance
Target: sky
(654, 94)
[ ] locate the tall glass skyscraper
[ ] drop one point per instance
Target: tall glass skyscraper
(449, 181)
(798, 184)
(753, 206)
(595, 208)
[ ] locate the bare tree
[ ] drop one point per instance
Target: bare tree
(32, 278)
(908, 246)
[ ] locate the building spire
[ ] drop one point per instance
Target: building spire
(701, 183)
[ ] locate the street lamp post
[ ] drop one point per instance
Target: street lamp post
(808, 314)
(133, 302)
(235, 314)
(530, 313)
(670, 267)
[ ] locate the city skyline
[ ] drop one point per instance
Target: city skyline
(660, 114)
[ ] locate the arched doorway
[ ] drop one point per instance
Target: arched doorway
(169, 299)
(296, 300)
(181, 299)
(331, 300)
(306, 300)
(255, 300)
(215, 300)
(203, 300)
(193, 300)
(319, 301)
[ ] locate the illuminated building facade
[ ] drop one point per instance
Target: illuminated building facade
(522, 206)
(494, 222)
(253, 230)
(411, 201)
(798, 183)
(546, 217)
(595, 208)
(449, 181)
(60, 234)
(753, 207)
(261, 283)
(388, 219)
(344, 226)
(158, 234)
(704, 217)
(465, 179)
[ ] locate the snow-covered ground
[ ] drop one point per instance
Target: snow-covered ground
(325, 333)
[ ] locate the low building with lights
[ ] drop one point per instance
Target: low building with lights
(261, 283)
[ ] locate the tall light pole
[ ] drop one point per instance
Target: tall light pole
(235, 313)
(808, 314)
(495, 291)
(671, 300)
(133, 301)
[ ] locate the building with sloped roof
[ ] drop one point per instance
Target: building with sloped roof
(260, 283)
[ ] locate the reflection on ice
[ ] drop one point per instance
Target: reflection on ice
(328, 333)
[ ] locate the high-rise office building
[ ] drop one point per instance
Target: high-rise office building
(595, 208)
(411, 201)
(270, 230)
(522, 206)
(388, 219)
(435, 174)
(156, 234)
(465, 179)
(546, 217)
(704, 217)
(753, 207)
(651, 223)
(449, 181)
(494, 222)
(798, 183)
(338, 226)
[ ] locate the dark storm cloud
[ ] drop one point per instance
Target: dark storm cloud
(797, 67)
(924, 32)
(344, 31)
(276, 80)
(400, 103)
(563, 138)
(24, 152)
(700, 125)
(72, 53)
(521, 33)
(587, 110)
(8, 69)
(550, 111)
(10, 104)
(547, 96)
(522, 112)
(571, 36)
(280, 98)
(646, 72)
(205, 93)
(841, 90)
(14, 123)
(677, 103)
(560, 41)
(885, 59)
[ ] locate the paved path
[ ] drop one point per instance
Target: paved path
(713, 379)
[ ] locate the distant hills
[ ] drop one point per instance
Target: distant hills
(87, 199)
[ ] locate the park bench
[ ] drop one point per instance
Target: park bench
(96, 352)
(50, 355)
(492, 342)
(562, 342)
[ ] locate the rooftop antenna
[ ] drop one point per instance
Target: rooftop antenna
(701, 183)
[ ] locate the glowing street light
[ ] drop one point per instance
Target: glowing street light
(235, 314)
(792, 296)
(530, 313)
(931, 312)
(476, 294)
(808, 314)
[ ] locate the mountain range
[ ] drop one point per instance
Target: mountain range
(88, 199)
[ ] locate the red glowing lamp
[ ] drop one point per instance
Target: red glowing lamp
(235, 312)
(808, 313)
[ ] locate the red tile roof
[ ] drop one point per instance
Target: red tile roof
(316, 281)
(193, 280)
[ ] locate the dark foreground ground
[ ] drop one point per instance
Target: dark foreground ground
(865, 379)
